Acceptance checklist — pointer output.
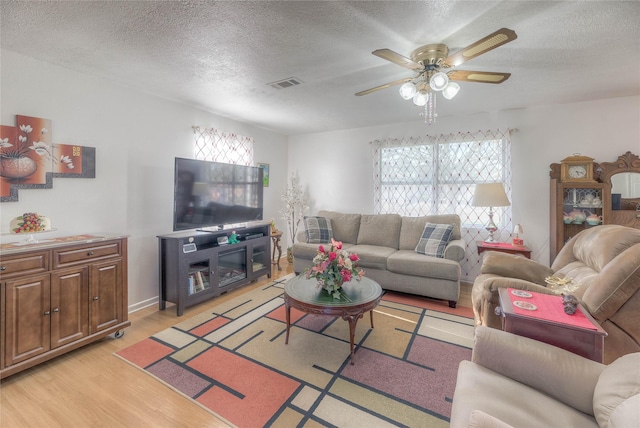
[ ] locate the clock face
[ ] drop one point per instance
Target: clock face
(577, 171)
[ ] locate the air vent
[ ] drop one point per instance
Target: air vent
(285, 83)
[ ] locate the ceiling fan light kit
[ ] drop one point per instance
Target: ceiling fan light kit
(427, 60)
(420, 98)
(408, 90)
(439, 81)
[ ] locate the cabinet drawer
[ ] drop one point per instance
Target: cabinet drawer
(24, 264)
(86, 253)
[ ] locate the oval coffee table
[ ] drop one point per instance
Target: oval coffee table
(357, 297)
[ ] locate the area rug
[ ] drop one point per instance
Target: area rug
(232, 361)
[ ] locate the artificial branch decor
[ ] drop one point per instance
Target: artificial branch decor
(295, 206)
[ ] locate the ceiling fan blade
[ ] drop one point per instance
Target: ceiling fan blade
(478, 76)
(386, 85)
(396, 58)
(484, 45)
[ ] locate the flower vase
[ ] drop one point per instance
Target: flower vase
(17, 167)
(290, 255)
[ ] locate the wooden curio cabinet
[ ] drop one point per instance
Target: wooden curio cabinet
(575, 206)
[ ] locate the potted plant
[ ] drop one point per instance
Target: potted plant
(294, 209)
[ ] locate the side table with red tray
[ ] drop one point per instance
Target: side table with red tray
(542, 317)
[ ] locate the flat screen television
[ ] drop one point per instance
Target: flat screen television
(208, 194)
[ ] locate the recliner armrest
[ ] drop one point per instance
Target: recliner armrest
(561, 374)
(515, 266)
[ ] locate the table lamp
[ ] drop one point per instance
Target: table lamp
(518, 232)
(490, 195)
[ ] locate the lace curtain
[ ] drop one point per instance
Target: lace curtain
(437, 175)
(216, 146)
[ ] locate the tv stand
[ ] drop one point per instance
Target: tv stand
(195, 267)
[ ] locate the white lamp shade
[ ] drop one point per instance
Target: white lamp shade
(439, 81)
(490, 195)
(518, 230)
(421, 98)
(451, 90)
(408, 90)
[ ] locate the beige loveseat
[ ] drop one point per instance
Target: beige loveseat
(386, 245)
(604, 261)
(519, 382)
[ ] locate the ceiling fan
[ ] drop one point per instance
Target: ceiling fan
(428, 60)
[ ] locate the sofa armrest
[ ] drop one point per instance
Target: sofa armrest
(455, 250)
(515, 266)
(301, 236)
(561, 374)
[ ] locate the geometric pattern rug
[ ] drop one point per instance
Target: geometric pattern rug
(232, 361)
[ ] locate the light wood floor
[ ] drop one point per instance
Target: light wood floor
(90, 387)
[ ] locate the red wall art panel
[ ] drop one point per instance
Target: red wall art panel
(30, 160)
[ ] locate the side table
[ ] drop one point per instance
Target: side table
(503, 247)
(275, 238)
(579, 339)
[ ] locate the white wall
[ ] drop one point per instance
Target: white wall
(340, 176)
(136, 137)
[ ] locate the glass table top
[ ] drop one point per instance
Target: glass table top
(353, 292)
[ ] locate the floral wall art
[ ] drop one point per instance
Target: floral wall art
(30, 160)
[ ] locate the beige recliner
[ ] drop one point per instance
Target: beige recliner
(604, 261)
(514, 381)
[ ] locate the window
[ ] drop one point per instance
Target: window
(437, 175)
(212, 145)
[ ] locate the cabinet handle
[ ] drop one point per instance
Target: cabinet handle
(90, 253)
(56, 310)
(95, 297)
(47, 312)
(3, 268)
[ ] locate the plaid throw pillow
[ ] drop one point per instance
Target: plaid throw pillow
(434, 240)
(318, 230)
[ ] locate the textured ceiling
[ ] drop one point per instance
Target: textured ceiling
(220, 56)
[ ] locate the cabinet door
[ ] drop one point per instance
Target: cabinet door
(69, 305)
(199, 266)
(105, 295)
(260, 257)
(28, 317)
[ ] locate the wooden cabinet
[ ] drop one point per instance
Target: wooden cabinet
(59, 299)
(571, 198)
(568, 196)
(197, 266)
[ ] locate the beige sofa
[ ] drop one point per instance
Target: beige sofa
(386, 246)
(519, 382)
(604, 261)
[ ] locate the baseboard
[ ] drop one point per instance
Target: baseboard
(144, 304)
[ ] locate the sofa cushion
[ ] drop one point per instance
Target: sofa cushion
(380, 229)
(372, 256)
(318, 230)
(617, 389)
(308, 251)
(408, 262)
(480, 419)
(434, 239)
(345, 226)
(412, 228)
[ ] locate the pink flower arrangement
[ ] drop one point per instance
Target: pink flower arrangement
(333, 267)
